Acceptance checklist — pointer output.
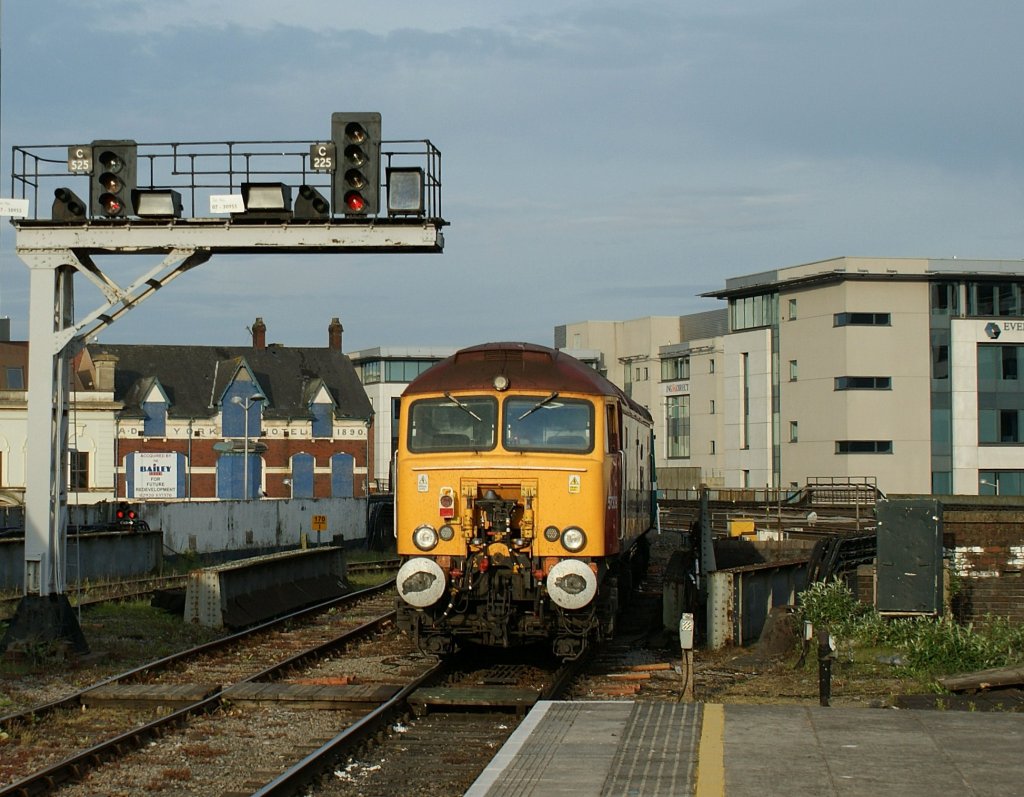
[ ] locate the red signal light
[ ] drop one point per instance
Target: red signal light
(356, 184)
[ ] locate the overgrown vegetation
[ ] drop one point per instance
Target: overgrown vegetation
(925, 647)
(136, 631)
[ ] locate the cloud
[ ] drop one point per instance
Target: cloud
(598, 159)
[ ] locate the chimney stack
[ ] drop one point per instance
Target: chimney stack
(259, 334)
(334, 334)
(105, 365)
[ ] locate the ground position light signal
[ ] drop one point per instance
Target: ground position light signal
(356, 137)
(113, 178)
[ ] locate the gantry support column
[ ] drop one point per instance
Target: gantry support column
(45, 613)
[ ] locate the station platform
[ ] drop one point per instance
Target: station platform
(648, 749)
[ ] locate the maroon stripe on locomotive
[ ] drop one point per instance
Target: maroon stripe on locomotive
(528, 366)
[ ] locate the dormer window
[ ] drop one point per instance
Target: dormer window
(322, 410)
(242, 412)
(154, 407)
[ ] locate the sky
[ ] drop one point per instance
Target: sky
(600, 160)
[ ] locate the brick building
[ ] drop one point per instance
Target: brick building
(223, 422)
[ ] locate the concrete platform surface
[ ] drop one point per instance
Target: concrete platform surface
(660, 749)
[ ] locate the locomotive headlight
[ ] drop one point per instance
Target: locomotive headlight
(425, 537)
(573, 539)
(551, 534)
(446, 532)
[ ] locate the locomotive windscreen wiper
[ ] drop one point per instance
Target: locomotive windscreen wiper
(462, 406)
(539, 404)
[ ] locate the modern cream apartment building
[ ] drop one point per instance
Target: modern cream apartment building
(908, 371)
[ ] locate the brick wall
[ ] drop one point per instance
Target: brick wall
(987, 549)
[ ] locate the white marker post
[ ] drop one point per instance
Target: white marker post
(686, 643)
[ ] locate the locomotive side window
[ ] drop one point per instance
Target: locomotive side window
(538, 423)
(453, 423)
(612, 425)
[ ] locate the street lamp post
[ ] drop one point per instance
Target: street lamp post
(994, 485)
(247, 404)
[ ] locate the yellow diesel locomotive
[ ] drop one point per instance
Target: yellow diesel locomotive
(523, 491)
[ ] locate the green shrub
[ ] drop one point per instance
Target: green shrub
(928, 646)
(831, 605)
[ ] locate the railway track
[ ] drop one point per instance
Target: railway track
(431, 731)
(437, 739)
(170, 697)
(102, 592)
(139, 588)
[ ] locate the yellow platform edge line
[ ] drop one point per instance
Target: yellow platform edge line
(711, 752)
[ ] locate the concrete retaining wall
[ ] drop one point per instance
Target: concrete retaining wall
(210, 527)
(252, 590)
(237, 528)
(90, 557)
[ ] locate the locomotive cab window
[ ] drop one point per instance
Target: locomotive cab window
(453, 423)
(548, 423)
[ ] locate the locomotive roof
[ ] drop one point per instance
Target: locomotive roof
(527, 366)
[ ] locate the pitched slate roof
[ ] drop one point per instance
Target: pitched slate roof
(195, 377)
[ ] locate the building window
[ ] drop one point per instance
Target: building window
(15, 378)
(792, 309)
(863, 383)
(78, 466)
(940, 361)
(675, 368)
(1009, 426)
(155, 422)
(942, 482)
(792, 370)
(371, 372)
(999, 426)
(1009, 361)
(863, 446)
(1001, 482)
(944, 298)
(994, 299)
(999, 363)
(711, 366)
(323, 419)
(711, 450)
(1000, 394)
(862, 319)
(711, 407)
(750, 312)
(342, 476)
(677, 422)
(745, 400)
(303, 468)
(405, 370)
(794, 435)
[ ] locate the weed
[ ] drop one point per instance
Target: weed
(928, 646)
